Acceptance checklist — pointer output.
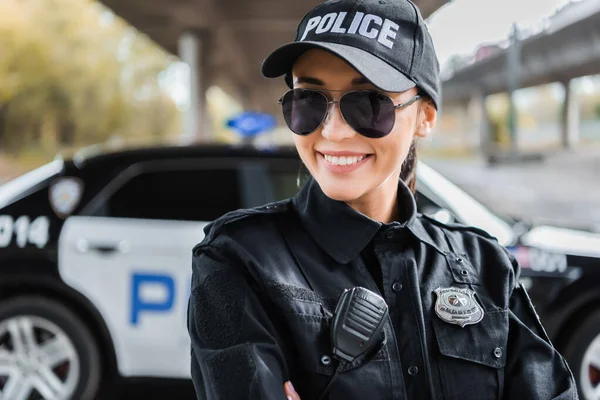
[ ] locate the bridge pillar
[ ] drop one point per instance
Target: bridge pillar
(513, 73)
(195, 123)
(570, 117)
(482, 123)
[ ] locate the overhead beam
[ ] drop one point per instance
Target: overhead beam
(264, 25)
(554, 56)
(236, 36)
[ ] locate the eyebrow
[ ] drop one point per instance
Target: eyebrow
(309, 80)
(361, 80)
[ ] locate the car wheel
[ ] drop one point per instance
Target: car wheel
(583, 355)
(46, 352)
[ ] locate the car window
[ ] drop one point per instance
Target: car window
(264, 182)
(285, 183)
(175, 194)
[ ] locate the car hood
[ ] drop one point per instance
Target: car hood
(563, 240)
(20, 185)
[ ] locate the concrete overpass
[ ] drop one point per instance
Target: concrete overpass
(224, 42)
(568, 48)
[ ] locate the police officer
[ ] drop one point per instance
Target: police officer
(364, 86)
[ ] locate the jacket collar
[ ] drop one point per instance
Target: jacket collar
(337, 228)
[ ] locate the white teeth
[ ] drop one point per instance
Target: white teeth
(342, 160)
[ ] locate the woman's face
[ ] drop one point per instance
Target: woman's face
(382, 158)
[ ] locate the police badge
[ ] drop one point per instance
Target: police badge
(458, 306)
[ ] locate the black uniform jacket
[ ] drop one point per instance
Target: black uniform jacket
(265, 285)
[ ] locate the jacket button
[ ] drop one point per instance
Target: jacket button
(325, 360)
(396, 286)
(497, 352)
(459, 260)
(464, 272)
(390, 234)
(413, 370)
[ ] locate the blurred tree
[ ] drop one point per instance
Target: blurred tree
(71, 74)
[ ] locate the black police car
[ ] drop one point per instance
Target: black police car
(95, 262)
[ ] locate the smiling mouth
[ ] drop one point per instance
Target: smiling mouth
(344, 160)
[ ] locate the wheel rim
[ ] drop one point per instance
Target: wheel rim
(590, 371)
(37, 360)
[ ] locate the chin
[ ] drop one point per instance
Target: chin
(340, 192)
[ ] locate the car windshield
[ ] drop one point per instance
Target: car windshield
(15, 187)
(465, 208)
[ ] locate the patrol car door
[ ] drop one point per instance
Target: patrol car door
(131, 256)
(130, 253)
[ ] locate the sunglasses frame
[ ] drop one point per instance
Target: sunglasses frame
(331, 102)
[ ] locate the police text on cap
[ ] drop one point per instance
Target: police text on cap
(364, 25)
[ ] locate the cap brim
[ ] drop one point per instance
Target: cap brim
(379, 72)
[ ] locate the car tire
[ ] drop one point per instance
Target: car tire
(586, 334)
(44, 312)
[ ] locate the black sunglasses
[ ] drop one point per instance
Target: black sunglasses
(368, 112)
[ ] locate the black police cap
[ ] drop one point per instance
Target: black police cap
(387, 41)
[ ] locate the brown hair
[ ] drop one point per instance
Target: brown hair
(408, 173)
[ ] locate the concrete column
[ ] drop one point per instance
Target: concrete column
(570, 117)
(194, 117)
(513, 71)
(482, 122)
(468, 124)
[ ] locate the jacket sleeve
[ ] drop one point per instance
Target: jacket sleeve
(236, 350)
(535, 370)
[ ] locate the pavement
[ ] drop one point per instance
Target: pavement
(563, 189)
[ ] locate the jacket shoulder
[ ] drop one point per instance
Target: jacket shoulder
(458, 228)
(478, 245)
(240, 217)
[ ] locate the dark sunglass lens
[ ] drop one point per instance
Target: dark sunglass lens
(369, 113)
(304, 110)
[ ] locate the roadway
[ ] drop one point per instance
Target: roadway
(563, 189)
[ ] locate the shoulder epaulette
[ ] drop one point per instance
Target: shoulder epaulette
(457, 227)
(216, 226)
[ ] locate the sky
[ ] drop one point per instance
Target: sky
(459, 26)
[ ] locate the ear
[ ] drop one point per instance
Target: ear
(427, 119)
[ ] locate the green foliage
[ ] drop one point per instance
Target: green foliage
(71, 74)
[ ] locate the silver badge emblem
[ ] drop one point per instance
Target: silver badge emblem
(458, 306)
(65, 194)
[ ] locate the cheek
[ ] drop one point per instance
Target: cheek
(394, 147)
(305, 145)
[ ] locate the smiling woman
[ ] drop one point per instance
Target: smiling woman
(365, 125)
(344, 291)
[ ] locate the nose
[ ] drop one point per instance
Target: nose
(334, 127)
